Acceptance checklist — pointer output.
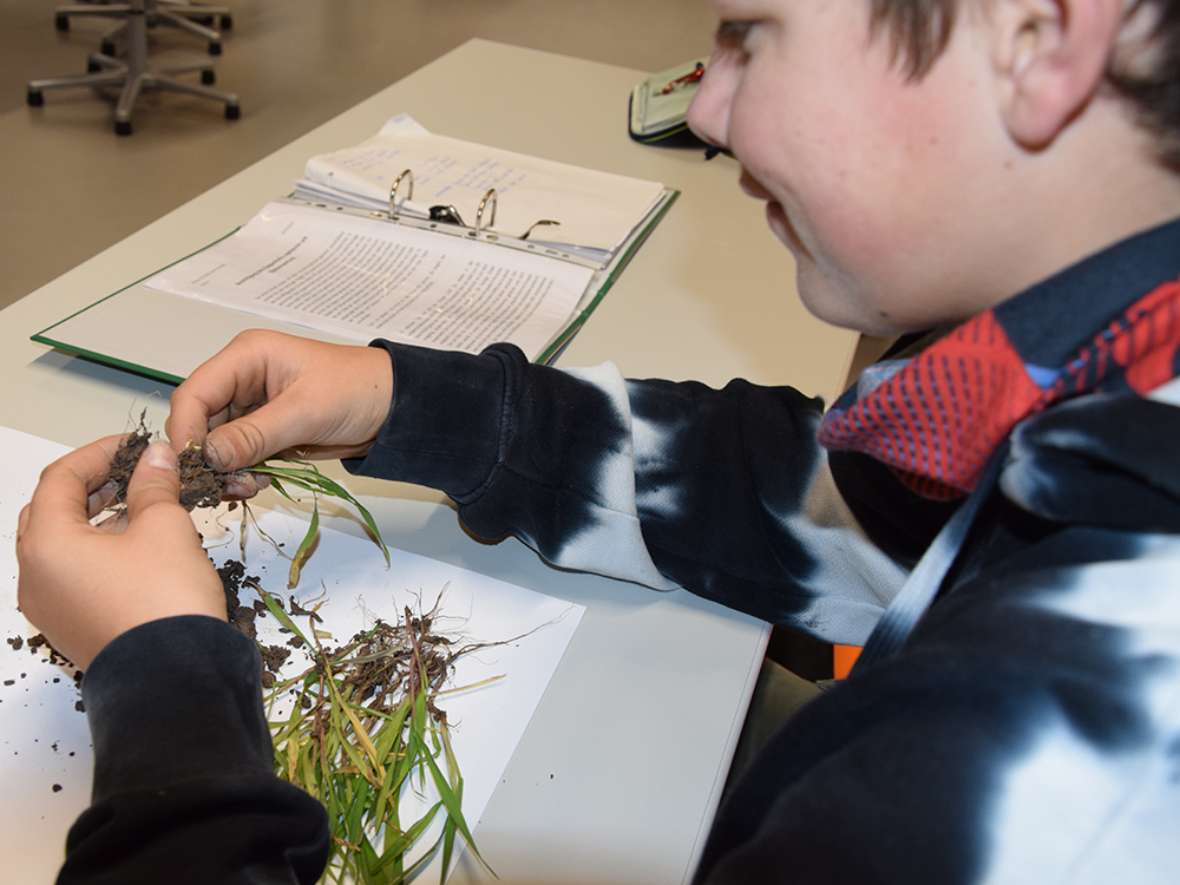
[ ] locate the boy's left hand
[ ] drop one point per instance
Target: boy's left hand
(83, 585)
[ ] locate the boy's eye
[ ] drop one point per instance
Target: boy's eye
(733, 35)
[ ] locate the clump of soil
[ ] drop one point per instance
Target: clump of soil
(241, 617)
(200, 484)
(233, 576)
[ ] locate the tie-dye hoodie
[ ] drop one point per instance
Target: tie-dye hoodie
(1029, 730)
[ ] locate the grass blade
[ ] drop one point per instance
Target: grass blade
(310, 478)
(305, 547)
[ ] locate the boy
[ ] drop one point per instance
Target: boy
(1004, 170)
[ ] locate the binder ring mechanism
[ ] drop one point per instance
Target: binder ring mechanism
(395, 205)
(448, 214)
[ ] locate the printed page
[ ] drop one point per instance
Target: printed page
(596, 210)
(366, 278)
(47, 759)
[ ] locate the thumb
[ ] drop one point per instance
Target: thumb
(156, 480)
(246, 441)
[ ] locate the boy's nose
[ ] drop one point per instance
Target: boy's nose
(708, 115)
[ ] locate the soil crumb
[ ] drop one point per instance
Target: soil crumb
(296, 609)
(273, 656)
(38, 642)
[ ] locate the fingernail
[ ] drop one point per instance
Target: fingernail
(213, 455)
(160, 455)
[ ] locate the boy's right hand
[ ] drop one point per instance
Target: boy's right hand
(266, 393)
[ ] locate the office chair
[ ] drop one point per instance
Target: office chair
(133, 73)
(194, 18)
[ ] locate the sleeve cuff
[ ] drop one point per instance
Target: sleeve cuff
(446, 420)
(175, 700)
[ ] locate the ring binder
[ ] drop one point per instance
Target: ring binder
(345, 283)
(446, 219)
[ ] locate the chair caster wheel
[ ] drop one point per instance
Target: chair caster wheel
(215, 49)
(122, 127)
(106, 47)
(208, 77)
(232, 111)
(227, 22)
(93, 67)
(35, 98)
(61, 22)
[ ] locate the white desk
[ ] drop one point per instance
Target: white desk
(618, 775)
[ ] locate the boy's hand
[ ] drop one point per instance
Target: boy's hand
(83, 585)
(267, 393)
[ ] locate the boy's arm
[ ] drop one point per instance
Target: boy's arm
(183, 781)
(724, 492)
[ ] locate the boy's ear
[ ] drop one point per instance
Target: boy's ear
(1051, 56)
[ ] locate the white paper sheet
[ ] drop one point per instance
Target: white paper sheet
(596, 210)
(44, 741)
(364, 278)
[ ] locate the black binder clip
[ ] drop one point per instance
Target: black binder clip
(447, 215)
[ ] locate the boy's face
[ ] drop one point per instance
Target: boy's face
(882, 188)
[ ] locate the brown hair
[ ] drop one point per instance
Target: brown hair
(919, 30)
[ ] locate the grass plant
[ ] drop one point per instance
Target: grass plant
(363, 729)
(308, 477)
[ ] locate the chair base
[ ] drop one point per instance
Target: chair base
(107, 71)
(132, 73)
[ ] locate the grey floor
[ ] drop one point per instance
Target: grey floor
(70, 188)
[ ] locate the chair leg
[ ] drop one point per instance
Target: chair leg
(63, 14)
(113, 10)
(169, 85)
(179, 21)
(127, 97)
(102, 61)
(103, 78)
(194, 8)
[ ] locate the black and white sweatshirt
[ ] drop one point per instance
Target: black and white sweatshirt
(1029, 730)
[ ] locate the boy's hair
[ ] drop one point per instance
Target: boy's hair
(919, 31)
